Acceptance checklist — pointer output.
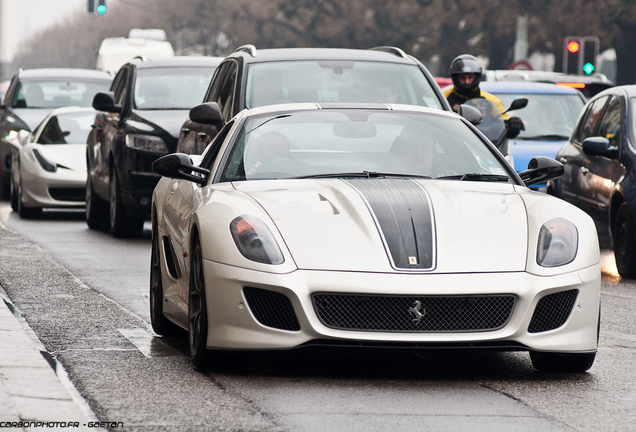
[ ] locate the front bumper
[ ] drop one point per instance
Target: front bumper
(61, 189)
(233, 325)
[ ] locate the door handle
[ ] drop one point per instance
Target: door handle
(202, 135)
(97, 127)
(563, 160)
(584, 170)
(185, 130)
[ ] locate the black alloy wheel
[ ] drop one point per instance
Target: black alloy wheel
(96, 208)
(27, 212)
(160, 324)
(121, 225)
(197, 309)
(624, 239)
(562, 362)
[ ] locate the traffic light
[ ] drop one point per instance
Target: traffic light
(590, 53)
(572, 50)
(96, 7)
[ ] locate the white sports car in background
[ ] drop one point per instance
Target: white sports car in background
(50, 170)
(369, 225)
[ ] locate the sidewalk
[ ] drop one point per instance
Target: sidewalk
(30, 389)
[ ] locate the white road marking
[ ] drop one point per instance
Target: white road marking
(149, 345)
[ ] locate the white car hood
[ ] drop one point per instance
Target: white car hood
(71, 156)
(441, 226)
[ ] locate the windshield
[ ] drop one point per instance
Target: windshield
(57, 93)
(171, 88)
(70, 128)
(338, 81)
(547, 115)
(342, 143)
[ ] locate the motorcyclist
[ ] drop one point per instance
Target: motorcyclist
(466, 73)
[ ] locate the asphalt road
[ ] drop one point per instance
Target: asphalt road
(85, 295)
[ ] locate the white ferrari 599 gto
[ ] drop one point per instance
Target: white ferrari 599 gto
(369, 225)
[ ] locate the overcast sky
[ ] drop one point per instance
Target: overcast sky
(19, 19)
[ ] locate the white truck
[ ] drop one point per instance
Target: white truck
(117, 51)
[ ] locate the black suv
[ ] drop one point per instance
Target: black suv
(138, 121)
(32, 95)
(249, 78)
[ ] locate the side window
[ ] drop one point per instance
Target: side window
(591, 119)
(52, 133)
(610, 126)
(120, 86)
(217, 80)
(211, 151)
(225, 99)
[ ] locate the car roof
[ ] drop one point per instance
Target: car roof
(64, 73)
(177, 61)
(526, 87)
(387, 54)
(629, 90)
(310, 106)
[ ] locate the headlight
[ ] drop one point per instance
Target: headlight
(558, 243)
(255, 241)
(44, 163)
(146, 143)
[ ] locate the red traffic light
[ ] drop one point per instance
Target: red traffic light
(573, 46)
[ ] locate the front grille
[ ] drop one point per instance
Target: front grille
(68, 194)
(272, 309)
(552, 311)
(401, 313)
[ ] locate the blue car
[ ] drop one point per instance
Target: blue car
(549, 118)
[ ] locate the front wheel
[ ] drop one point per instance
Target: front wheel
(121, 225)
(562, 362)
(197, 309)
(624, 240)
(96, 208)
(27, 212)
(160, 324)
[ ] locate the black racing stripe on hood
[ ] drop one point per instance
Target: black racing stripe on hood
(403, 211)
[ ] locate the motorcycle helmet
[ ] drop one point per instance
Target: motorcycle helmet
(466, 64)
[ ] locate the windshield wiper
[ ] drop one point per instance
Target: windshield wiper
(547, 137)
(476, 177)
(363, 174)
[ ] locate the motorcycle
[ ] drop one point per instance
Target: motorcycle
(492, 124)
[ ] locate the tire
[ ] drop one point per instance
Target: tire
(14, 195)
(96, 208)
(562, 362)
(27, 212)
(197, 310)
(121, 225)
(160, 324)
(624, 240)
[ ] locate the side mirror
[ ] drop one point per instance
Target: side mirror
(518, 104)
(470, 113)
(540, 170)
(23, 136)
(105, 101)
(599, 146)
(180, 166)
(207, 113)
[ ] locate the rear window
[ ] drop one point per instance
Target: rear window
(338, 81)
(57, 93)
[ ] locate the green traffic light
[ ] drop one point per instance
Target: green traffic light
(588, 68)
(101, 9)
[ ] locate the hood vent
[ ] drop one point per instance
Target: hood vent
(403, 213)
